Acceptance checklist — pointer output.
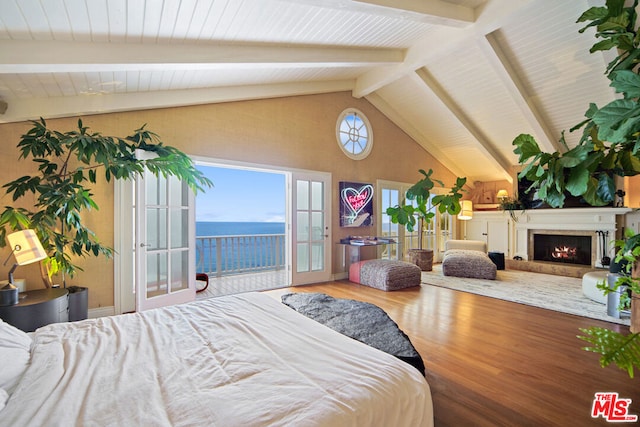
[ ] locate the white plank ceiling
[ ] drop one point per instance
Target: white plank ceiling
(462, 77)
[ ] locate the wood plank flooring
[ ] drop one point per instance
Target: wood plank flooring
(496, 363)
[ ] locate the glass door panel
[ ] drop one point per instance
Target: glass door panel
(311, 228)
(165, 236)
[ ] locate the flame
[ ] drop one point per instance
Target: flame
(564, 252)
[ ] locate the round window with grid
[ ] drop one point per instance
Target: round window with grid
(353, 131)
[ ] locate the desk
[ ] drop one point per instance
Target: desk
(37, 308)
(352, 253)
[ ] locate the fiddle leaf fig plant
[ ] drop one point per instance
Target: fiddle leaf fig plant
(67, 164)
(609, 146)
(416, 210)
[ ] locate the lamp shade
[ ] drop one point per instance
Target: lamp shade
(466, 210)
(502, 194)
(26, 247)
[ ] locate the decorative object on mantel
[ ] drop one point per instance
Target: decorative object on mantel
(608, 147)
(511, 205)
(419, 207)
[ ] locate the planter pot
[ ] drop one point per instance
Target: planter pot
(423, 258)
(78, 303)
(635, 313)
(635, 303)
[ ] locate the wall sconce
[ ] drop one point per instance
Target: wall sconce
(27, 249)
(502, 195)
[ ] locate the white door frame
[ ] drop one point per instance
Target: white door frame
(124, 297)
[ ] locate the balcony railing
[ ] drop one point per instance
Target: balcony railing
(223, 255)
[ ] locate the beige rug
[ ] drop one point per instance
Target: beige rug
(557, 293)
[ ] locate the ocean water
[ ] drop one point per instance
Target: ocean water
(239, 255)
(238, 228)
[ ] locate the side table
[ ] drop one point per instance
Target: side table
(37, 308)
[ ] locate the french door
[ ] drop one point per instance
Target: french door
(436, 232)
(311, 227)
(165, 242)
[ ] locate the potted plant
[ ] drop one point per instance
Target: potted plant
(415, 210)
(67, 164)
(511, 205)
(607, 148)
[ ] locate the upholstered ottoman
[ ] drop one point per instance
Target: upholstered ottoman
(589, 289)
(385, 274)
(468, 263)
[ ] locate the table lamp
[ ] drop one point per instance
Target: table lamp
(27, 249)
(466, 213)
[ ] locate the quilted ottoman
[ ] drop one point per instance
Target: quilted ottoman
(385, 274)
(468, 263)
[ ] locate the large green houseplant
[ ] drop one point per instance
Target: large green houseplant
(609, 147)
(419, 207)
(66, 165)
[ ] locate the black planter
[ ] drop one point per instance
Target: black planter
(618, 267)
(78, 303)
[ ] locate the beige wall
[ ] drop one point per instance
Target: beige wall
(296, 132)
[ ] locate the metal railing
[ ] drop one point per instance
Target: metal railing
(224, 255)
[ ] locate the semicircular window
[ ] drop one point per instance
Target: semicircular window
(353, 131)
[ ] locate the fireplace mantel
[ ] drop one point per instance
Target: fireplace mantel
(588, 220)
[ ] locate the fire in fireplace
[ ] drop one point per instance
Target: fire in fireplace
(567, 249)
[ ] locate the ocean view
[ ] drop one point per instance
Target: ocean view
(239, 254)
(206, 228)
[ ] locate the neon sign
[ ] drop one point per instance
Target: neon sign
(356, 205)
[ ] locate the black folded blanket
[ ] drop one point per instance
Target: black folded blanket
(359, 320)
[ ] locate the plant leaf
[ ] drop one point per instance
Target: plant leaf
(623, 350)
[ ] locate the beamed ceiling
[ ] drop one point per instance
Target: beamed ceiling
(461, 77)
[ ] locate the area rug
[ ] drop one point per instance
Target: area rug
(362, 321)
(557, 293)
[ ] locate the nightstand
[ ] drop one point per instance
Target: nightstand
(37, 308)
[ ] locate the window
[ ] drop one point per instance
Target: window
(354, 135)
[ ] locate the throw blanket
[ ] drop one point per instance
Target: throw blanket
(359, 320)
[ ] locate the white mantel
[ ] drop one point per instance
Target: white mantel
(569, 219)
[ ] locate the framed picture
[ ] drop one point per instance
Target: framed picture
(356, 204)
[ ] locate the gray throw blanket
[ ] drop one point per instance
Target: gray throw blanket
(359, 320)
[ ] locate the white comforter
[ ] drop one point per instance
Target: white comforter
(244, 360)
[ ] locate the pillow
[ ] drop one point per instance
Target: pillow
(15, 351)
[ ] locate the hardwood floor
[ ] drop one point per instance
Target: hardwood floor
(496, 363)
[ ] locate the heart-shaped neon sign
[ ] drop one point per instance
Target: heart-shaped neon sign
(357, 198)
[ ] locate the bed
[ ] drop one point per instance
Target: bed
(243, 360)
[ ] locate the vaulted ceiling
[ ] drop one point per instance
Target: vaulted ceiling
(461, 77)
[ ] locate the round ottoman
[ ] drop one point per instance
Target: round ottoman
(589, 289)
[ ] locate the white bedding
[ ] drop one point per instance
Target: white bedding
(244, 360)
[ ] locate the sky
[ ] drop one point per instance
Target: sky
(241, 195)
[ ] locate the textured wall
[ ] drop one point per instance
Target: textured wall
(295, 132)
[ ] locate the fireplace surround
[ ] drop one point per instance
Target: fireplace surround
(571, 222)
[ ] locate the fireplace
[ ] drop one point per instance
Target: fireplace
(563, 248)
(586, 222)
